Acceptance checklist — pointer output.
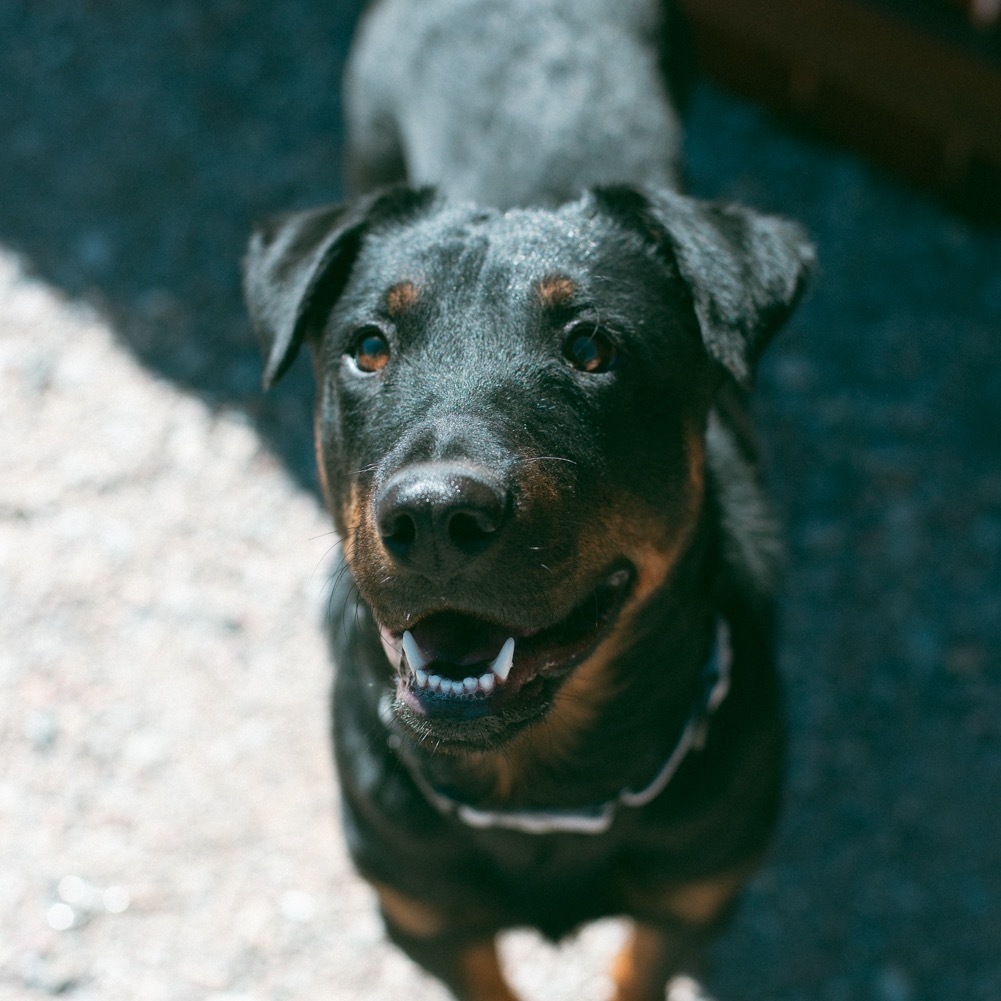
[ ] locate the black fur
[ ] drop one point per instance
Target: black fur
(485, 482)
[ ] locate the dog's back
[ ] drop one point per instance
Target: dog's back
(511, 102)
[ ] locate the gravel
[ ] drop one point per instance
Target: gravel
(167, 808)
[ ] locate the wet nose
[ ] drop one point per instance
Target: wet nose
(435, 517)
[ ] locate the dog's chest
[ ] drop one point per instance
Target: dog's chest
(557, 880)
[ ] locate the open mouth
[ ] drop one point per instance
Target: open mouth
(468, 680)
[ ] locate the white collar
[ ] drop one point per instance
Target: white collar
(598, 819)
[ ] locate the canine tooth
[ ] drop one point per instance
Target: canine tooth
(486, 682)
(434, 682)
(502, 665)
(415, 655)
(469, 684)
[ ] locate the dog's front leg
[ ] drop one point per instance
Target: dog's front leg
(654, 954)
(650, 958)
(469, 968)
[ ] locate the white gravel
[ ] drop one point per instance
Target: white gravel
(167, 804)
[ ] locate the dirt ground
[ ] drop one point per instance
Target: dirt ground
(168, 816)
(167, 808)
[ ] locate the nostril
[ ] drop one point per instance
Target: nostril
(402, 531)
(468, 530)
(436, 516)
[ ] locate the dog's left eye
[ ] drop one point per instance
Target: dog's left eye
(589, 349)
(370, 351)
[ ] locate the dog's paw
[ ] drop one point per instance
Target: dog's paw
(686, 989)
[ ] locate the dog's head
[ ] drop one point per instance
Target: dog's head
(510, 418)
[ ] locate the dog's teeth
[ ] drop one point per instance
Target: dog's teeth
(501, 667)
(415, 655)
(417, 662)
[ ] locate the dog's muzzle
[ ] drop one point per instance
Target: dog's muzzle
(471, 680)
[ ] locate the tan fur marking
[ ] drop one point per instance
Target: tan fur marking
(554, 739)
(320, 464)
(353, 512)
(696, 448)
(504, 773)
(401, 298)
(654, 563)
(701, 902)
(581, 698)
(651, 954)
(353, 516)
(636, 969)
(482, 974)
(697, 903)
(634, 530)
(637, 533)
(555, 290)
(410, 916)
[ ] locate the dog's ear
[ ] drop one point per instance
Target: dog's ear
(745, 272)
(298, 264)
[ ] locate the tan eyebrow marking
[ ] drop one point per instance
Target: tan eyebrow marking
(555, 290)
(402, 297)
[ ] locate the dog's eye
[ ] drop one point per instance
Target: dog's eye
(589, 349)
(370, 350)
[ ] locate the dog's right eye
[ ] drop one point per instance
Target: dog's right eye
(589, 349)
(370, 350)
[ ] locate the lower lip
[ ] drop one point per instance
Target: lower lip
(453, 707)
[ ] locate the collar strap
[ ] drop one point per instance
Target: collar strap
(599, 818)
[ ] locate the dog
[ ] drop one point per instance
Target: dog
(556, 694)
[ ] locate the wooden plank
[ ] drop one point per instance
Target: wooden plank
(914, 103)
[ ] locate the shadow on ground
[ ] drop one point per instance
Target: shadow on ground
(140, 141)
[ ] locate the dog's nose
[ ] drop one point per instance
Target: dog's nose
(437, 516)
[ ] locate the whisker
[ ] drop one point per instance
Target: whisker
(547, 458)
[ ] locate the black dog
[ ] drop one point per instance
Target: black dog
(556, 698)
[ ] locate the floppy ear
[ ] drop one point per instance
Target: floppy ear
(745, 271)
(297, 265)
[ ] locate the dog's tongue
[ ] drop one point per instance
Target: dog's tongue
(460, 640)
